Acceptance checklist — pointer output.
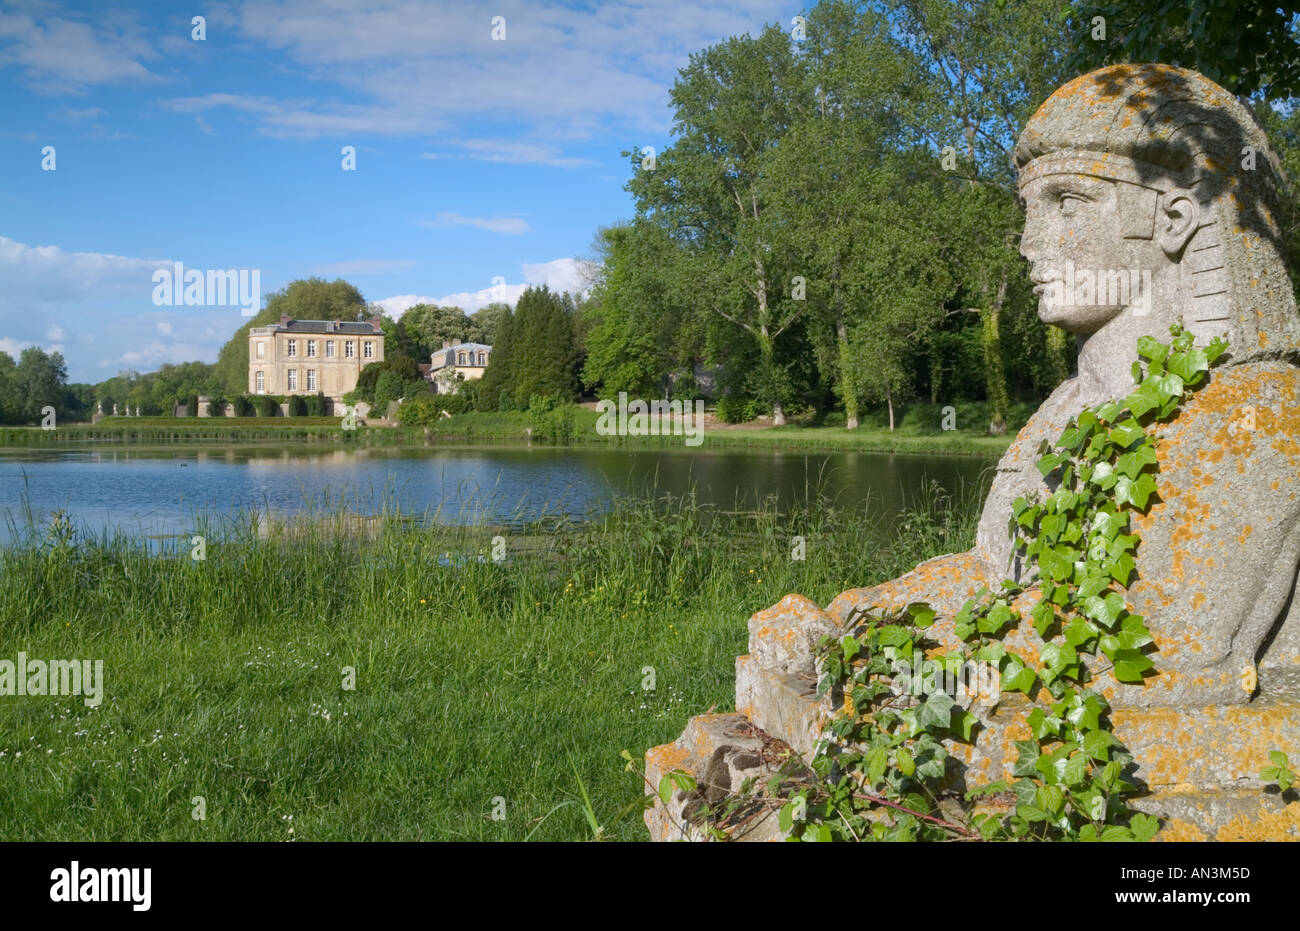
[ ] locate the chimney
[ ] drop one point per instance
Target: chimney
(284, 319)
(376, 322)
(446, 344)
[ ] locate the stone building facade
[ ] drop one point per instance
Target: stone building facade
(457, 362)
(310, 356)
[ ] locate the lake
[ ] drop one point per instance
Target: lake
(162, 491)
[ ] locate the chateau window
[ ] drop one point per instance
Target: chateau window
(370, 349)
(311, 379)
(482, 358)
(261, 380)
(293, 379)
(349, 349)
(261, 350)
(311, 349)
(460, 358)
(329, 349)
(293, 348)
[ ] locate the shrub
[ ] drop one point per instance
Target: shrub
(387, 388)
(244, 406)
(316, 405)
(553, 422)
(297, 406)
(192, 406)
(739, 410)
(458, 403)
(420, 412)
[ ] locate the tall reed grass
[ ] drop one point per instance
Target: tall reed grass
(475, 678)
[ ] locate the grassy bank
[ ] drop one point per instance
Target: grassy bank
(918, 431)
(473, 679)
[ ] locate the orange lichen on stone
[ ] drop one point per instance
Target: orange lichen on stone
(1267, 825)
(1177, 830)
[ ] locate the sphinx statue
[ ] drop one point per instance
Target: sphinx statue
(1151, 198)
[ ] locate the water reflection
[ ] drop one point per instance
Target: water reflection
(163, 491)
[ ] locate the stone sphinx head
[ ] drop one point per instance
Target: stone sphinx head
(1151, 198)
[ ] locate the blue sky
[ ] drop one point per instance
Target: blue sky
(475, 157)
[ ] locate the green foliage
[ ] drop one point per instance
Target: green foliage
(543, 352)
(388, 387)
(428, 326)
(268, 405)
(633, 336)
(297, 405)
(496, 387)
(739, 410)
(551, 420)
(881, 774)
(1280, 773)
(1248, 46)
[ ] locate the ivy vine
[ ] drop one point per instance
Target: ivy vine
(880, 774)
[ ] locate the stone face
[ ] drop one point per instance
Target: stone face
(1132, 169)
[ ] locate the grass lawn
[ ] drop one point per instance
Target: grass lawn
(224, 678)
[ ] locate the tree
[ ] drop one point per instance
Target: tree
(544, 354)
(496, 387)
(976, 70)
(731, 105)
(39, 379)
(429, 326)
(488, 320)
(1247, 46)
(9, 396)
(637, 322)
(387, 388)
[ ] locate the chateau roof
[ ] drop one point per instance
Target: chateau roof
(447, 355)
(370, 327)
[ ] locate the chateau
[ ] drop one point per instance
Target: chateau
(456, 362)
(310, 356)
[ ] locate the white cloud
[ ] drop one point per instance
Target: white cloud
(156, 354)
(559, 275)
(56, 333)
(511, 226)
(47, 273)
(562, 74)
(13, 346)
(164, 328)
(511, 152)
(63, 56)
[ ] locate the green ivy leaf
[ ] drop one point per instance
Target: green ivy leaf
(922, 614)
(906, 765)
(935, 711)
(877, 763)
(1130, 664)
(1043, 616)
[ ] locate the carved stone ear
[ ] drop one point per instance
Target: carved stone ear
(1176, 221)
